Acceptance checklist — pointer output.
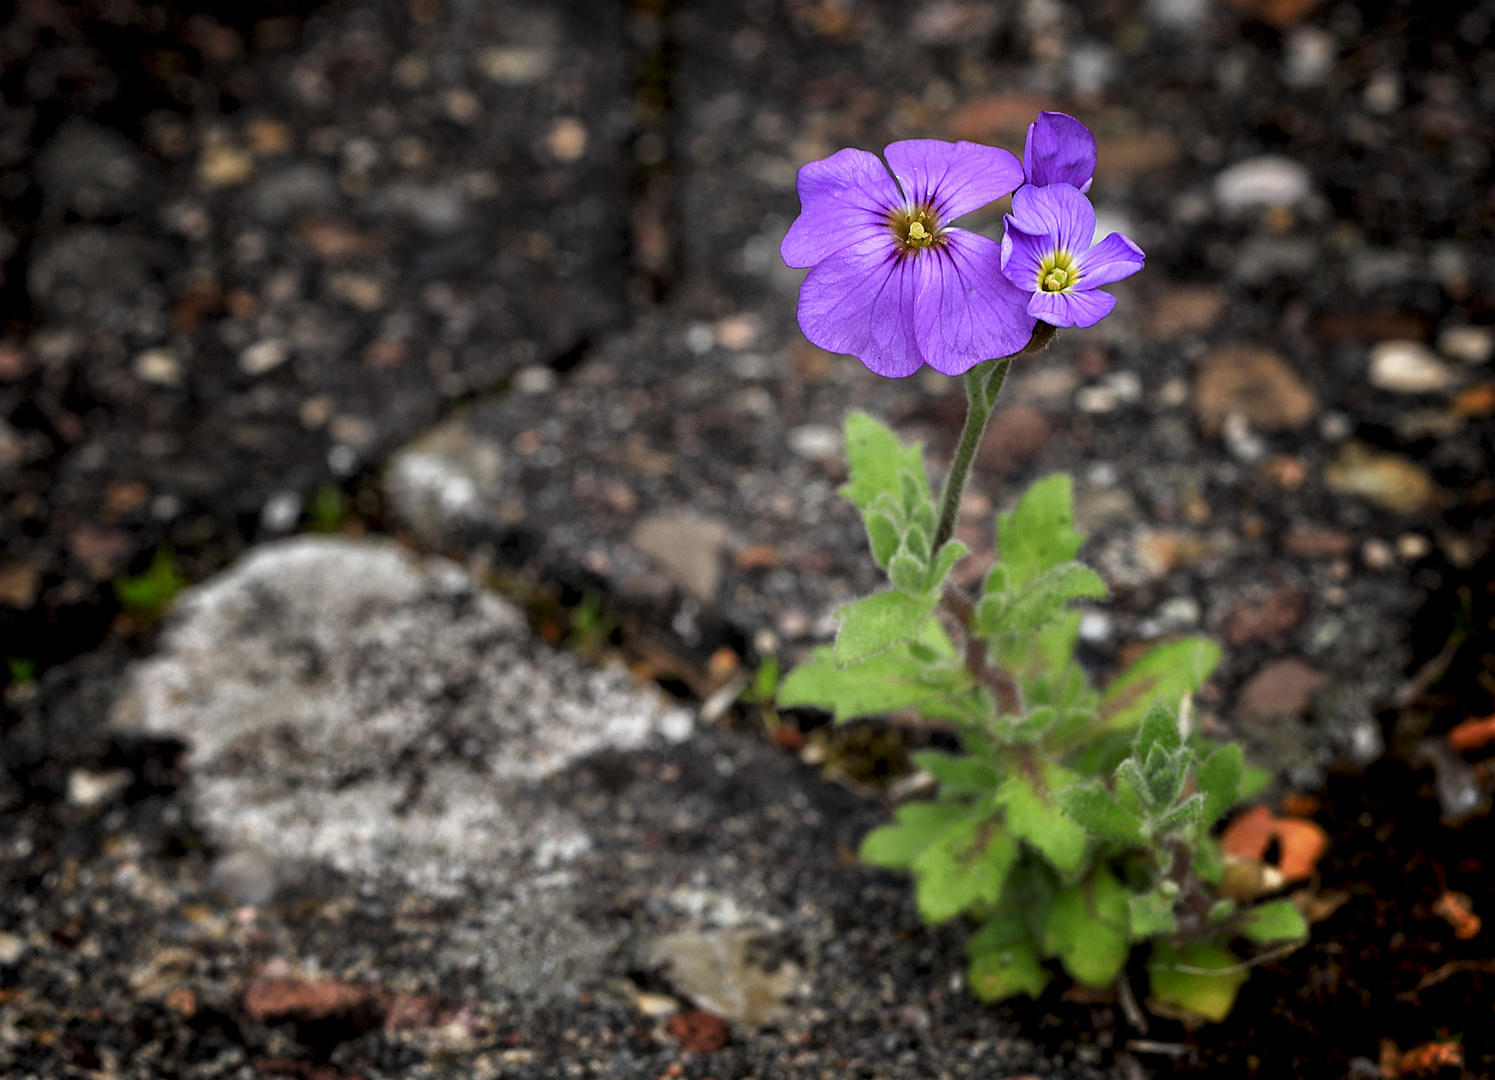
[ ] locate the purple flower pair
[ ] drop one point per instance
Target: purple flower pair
(895, 284)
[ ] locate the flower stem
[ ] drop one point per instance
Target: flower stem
(983, 384)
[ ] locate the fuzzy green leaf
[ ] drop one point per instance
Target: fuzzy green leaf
(1023, 612)
(1159, 727)
(1208, 989)
(1151, 914)
(1088, 928)
(878, 622)
(915, 827)
(1271, 923)
(1034, 816)
(1039, 534)
(877, 460)
(1219, 779)
(958, 776)
(1182, 818)
(944, 561)
(1165, 673)
(1004, 962)
(967, 865)
(1096, 811)
(909, 573)
(882, 534)
(893, 680)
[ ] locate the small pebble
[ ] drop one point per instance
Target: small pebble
(1409, 367)
(281, 512)
(1262, 182)
(263, 356)
(158, 366)
(1472, 345)
(87, 789)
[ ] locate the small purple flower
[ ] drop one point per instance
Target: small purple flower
(891, 281)
(1059, 150)
(1048, 253)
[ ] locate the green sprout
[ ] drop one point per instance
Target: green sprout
(145, 596)
(22, 670)
(328, 510)
(591, 626)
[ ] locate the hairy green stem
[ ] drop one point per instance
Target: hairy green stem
(983, 384)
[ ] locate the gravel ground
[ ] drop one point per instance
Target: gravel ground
(501, 279)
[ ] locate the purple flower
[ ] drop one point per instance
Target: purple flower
(891, 282)
(1059, 150)
(1047, 252)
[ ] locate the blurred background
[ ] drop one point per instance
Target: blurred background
(500, 278)
(252, 250)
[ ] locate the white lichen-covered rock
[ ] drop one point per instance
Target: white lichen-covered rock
(346, 702)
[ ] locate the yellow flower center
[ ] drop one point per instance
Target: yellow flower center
(1057, 273)
(915, 229)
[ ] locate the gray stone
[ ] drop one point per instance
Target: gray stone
(86, 264)
(444, 480)
(349, 705)
(89, 171)
(1262, 182)
(686, 548)
(281, 195)
(733, 972)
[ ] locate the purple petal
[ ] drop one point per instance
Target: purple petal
(1071, 308)
(1112, 259)
(1059, 150)
(967, 310)
(1022, 256)
(955, 178)
(845, 199)
(1059, 212)
(863, 303)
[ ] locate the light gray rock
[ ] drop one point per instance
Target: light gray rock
(347, 704)
(1261, 182)
(1409, 367)
(444, 480)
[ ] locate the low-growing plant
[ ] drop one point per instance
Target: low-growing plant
(1076, 823)
(145, 596)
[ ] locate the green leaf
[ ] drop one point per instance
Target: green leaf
(1159, 727)
(908, 573)
(1039, 534)
(1219, 779)
(1209, 860)
(944, 561)
(1151, 914)
(1254, 780)
(1025, 611)
(1096, 811)
(877, 623)
(1165, 673)
(1207, 989)
(1004, 961)
(958, 776)
(1088, 928)
(893, 680)
(966, 866)
(1268, 924)
(877, 459)
(1184, 817)
(915, 827)
(1034, 816)
(882, 534)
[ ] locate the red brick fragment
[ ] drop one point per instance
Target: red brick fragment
(700, 1031)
